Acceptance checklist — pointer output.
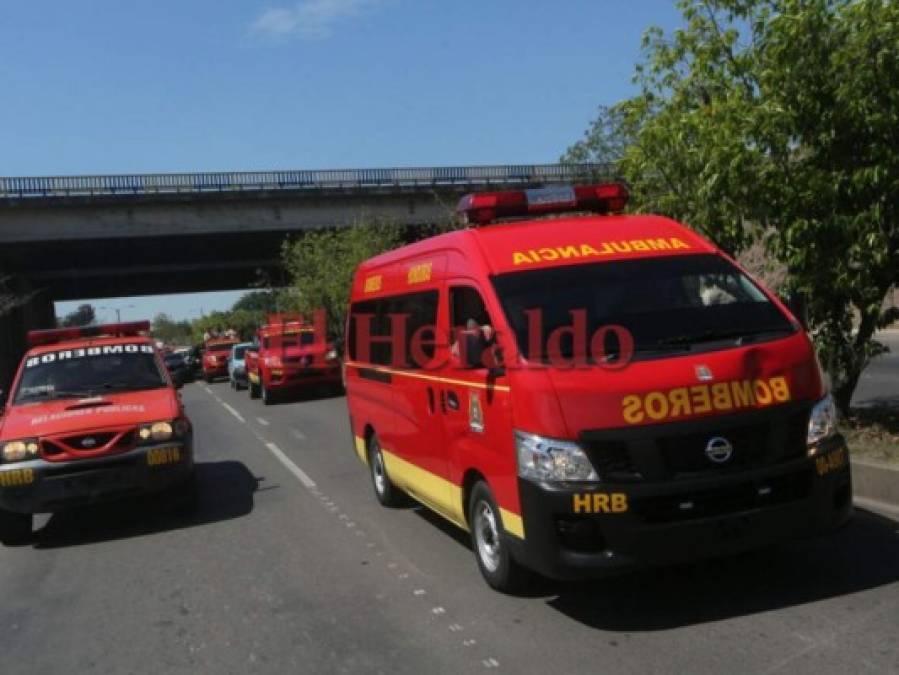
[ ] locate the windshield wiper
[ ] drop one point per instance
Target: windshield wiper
(740, 336)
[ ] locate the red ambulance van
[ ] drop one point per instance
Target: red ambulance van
(92, 415)
(589, 393)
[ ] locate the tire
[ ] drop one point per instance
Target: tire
(500, 571)
(386, 492)
(15, 528)
(254, 390)
(208, 379)
(268, 396)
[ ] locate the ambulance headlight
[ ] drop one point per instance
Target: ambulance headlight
(822, 423)
(18, 451)
(549, 459)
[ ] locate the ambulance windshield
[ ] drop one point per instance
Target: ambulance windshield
(74, 373)
(669, 305)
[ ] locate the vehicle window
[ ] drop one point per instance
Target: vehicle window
(219, 348)
(683, 303)
(239, 352)
(468, 312)
(174, 360)
(420, 310)
(69, 374)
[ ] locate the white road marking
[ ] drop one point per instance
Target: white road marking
(490, 663)
(299, 435)
(262, 421)
(234, 412)
(419, 591)
(208, 390)
(438, 610)
(290, 466)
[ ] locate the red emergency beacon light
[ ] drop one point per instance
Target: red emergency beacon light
(49, 336)
(484, 207)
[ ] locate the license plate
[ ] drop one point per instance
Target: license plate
(159, 456)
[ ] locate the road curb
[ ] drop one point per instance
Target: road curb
(876, 481)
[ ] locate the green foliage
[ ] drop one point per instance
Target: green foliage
(169, 331)
(321, 266)
(259, 302)
(784, 114)
(83, 316)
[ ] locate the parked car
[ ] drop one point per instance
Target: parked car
(237, 372)
(178, 368)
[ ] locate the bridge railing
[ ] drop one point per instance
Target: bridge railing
(49, 186)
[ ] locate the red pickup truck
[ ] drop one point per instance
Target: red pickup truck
(290, 355)
(215, 357)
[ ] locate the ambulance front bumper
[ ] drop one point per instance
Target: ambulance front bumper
(39, 486)
(600, 529)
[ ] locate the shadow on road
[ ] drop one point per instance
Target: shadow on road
(314, 393)
(225, 491)
(862, 555)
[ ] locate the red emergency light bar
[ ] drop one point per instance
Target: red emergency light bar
(51, 335)
(484, 207)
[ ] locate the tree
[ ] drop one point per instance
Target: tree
(83, 316)
(783, 114)
(261, 302)
(169, 331)
(321, 266)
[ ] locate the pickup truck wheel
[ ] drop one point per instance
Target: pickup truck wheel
(15, 528)
(268, 396)
(497, 566)
(386, 492)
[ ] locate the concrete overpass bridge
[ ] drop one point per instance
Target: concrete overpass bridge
(71, 237)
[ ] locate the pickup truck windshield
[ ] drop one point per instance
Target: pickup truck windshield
(69, 375)
(670, 305)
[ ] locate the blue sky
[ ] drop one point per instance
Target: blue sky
(110, 86)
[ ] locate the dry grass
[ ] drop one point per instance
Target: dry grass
(873, 433)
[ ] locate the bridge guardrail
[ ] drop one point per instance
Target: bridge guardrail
(49, 186)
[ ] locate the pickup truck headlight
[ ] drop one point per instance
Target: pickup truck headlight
(163, 430)
(550, 459)
(331, 355)
(822, 423)
(21, 450)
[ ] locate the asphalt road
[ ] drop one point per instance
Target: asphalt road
(879, 383)
(290, 565)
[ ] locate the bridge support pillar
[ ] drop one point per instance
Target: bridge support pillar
(21, 309)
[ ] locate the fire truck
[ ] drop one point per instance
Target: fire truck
(92, 415)
(290, 355)
(589, 394)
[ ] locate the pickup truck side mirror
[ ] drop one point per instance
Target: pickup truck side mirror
(797, 302)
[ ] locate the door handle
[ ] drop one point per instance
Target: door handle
(452, 401)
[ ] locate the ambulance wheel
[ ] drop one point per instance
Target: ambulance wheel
(497, 566)
(15, 528)
(386, 492)
(253, 389)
